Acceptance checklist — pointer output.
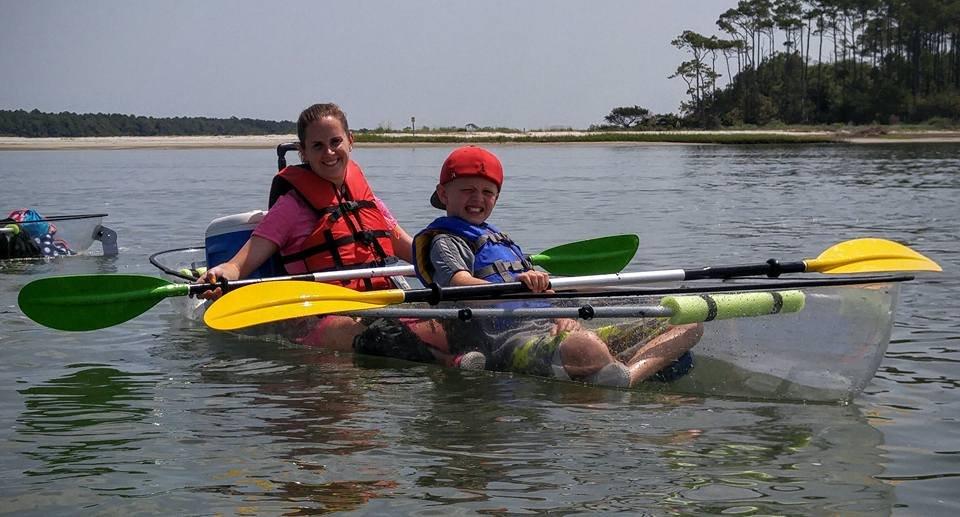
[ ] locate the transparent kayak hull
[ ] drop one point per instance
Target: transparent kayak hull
(828, 351)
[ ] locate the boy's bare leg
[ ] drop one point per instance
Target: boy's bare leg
(583, 354)
(334, 332)
(662, 350)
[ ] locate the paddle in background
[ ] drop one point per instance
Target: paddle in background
(91, 302)
(279, 301)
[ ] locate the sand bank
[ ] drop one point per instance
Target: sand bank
(147, 142)
(271, 141)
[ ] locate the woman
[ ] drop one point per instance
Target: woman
(322, 216)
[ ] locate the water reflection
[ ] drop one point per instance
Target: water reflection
(294, 412)
(500, 443)
(21, 271)
(82, 424)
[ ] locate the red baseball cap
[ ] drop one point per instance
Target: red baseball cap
(469, 160)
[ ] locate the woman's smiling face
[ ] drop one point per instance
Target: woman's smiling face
(326, 149)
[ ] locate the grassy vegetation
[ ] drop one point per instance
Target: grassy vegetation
(935, 124)
(590, 137)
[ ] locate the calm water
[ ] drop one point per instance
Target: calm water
(158, 416)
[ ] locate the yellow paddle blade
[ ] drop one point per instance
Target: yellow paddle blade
(869, 256)
(276, 301)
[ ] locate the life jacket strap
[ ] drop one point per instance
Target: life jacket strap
(345, 207)
(331, 246)
(496, 238)
(504, 269)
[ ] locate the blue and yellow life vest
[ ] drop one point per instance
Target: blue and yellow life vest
(496, 257)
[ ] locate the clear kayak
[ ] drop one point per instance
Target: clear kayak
(53, 236)
(825, 344)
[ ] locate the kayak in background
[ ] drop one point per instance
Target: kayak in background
(25, 234)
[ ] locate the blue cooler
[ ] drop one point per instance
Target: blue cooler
(226, 235)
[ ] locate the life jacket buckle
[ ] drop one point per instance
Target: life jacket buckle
(366, 237)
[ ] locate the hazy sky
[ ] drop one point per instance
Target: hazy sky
(520, 63)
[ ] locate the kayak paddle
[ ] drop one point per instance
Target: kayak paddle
(90, 302)
(279, 301)
(680, 309)
(590, 257)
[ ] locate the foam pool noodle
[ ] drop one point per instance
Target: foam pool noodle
(695, 308)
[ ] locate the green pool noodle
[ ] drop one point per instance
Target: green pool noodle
(695, 308)
(195, 273)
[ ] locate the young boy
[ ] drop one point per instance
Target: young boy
(463, 249)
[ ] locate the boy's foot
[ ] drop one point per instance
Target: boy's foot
(675, 370)
(615, 374)
(471, 361)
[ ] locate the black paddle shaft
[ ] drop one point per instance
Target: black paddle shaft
(772, 268)
(435, 294)
(229, 285)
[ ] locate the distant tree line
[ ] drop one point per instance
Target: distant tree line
(638, 117)
(823, 62)
(65, 124)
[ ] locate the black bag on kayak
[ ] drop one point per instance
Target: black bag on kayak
(18, 245)
(387, 337)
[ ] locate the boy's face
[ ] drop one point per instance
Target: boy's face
(471, 198)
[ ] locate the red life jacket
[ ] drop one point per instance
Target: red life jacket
(350, 231)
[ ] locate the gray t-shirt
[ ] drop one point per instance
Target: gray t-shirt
(449, 254)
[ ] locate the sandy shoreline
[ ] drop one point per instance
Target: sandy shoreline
(271, 141)
(146, 142)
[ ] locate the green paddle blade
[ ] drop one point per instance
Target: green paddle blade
(86, 302)
(598, 256)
